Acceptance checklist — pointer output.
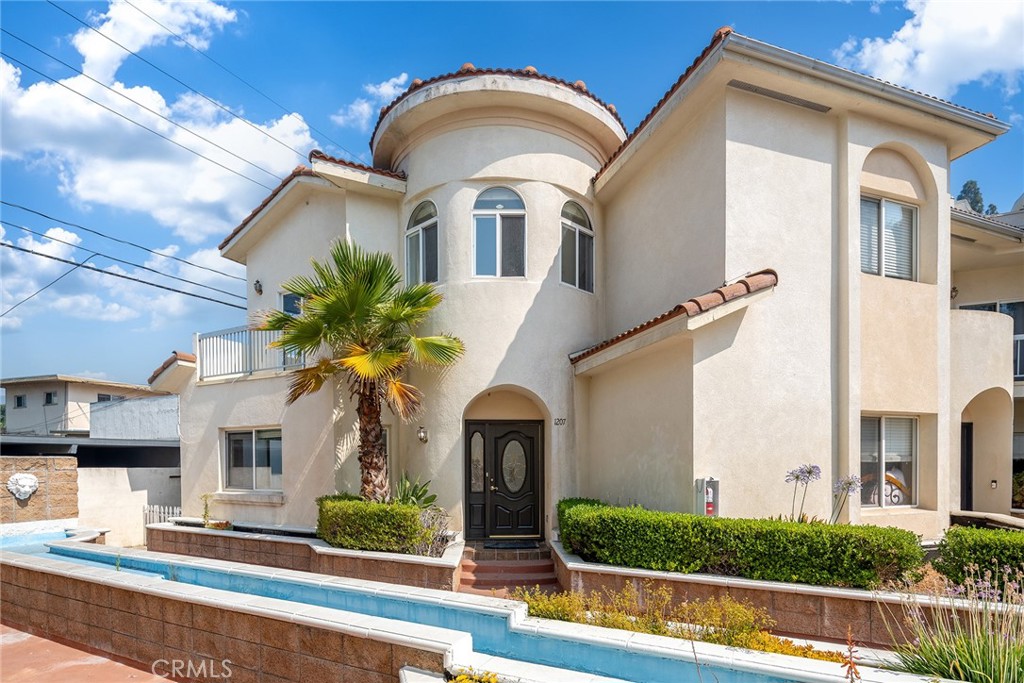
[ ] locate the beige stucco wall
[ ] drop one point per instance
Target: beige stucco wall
(114, 497)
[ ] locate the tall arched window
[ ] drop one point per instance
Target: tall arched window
(577, 248)
(421, 245)
(499, 234)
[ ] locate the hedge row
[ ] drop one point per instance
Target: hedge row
(347, 521)
(818, 554)
(986, 549)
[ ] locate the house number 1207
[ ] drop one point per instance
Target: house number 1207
(559, 421)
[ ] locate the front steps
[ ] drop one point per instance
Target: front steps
(499, 572)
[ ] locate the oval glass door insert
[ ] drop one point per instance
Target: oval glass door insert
(513, 466)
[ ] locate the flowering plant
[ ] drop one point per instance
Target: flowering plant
(841, 492)
(801, 476)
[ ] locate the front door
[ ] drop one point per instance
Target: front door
(966, 466)
(503, 479)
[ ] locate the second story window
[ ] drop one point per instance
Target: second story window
(50, 398)
(499, 234)
(577, 248)
(20, 401)
(888, 238)
(421, 245)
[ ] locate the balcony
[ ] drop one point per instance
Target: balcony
(241, 351)
(981, 356)
(1018, 358)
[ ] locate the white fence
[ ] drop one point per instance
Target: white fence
(155, 514)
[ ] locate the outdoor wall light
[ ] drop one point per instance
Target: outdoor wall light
(422, 435)
(994, 484)
(258, 286)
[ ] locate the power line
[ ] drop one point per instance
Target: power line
(142, 106)
(127, 263)
(177, 80)
(124, 277)
(131, 120)
(119, 240)
(252, 87)
(45, 287)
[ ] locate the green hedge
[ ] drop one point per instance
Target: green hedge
(987, 549)
(347, 521)
(818, 554)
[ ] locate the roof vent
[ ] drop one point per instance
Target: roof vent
(781, 97)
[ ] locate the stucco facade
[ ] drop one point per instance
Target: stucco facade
(747, 182)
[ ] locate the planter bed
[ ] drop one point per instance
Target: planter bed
(288, 550)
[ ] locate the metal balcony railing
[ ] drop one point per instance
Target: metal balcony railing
(1018, 357)
(241, 351)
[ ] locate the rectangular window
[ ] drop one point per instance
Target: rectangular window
(102, 398)
(888, 461)
(291, 304)
(500, 245)
(412, 257)
(20, 401)
(486, 245)
(50, 398)
(253, 460)
(430, 253)
(888, 235)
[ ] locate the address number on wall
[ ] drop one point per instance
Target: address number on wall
(559, 421)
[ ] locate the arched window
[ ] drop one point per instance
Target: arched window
(421, 245)
(577, 248)
(499, 234)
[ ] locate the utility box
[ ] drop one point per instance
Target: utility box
(707, 496)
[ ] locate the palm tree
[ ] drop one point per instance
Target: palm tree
(358, 325)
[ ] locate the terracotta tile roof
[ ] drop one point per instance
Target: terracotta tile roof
(755, 282)
(717, 38)
(171, 360)
(468, 69)
(317, 154)
(299, 171)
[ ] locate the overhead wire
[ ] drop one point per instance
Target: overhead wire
(47, 286)
(119, 240)
(178, 80)
(118, 260)
(124, 277)
(133, 121)
(252, 87)
(142, 106)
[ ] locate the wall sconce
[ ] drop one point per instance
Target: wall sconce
(994, 484)
(258, 286)
(422, 435)
(954, 293)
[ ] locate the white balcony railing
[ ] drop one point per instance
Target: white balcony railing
(241, 351)
(1018, 357)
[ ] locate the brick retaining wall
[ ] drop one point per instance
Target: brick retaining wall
(56, 497)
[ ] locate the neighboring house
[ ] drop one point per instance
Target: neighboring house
(757, 277)
(61, 404)
(124, 438)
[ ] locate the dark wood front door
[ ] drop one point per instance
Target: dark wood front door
(966, 466)
(504, 482)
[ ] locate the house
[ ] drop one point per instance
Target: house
(758, 276)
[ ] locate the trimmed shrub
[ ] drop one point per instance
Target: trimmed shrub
(771, 550)
(984, 549)
(350, 522)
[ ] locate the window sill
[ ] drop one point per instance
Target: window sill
(270, 498)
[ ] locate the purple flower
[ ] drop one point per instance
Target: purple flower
(804, 474)
(848, 485)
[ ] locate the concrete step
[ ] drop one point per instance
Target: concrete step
(494, 581)
(479, 567)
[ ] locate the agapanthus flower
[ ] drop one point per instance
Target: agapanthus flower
(804, 474)
(848, 485)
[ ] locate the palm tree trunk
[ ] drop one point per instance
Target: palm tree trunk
(373, 459)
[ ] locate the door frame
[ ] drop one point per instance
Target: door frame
(467, 479)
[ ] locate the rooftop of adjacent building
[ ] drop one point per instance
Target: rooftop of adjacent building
(48, 379)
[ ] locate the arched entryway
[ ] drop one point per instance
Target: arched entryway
(504, 465)
(986, 467)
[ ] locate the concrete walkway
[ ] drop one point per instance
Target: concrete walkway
(25, 658)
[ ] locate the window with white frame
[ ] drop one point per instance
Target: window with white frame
(50, 398)
(577, 248)
(888, 461)
(499, 234)
(20, 401)
(253, 460)
(292, 305)
(421, 245)
(888, 238)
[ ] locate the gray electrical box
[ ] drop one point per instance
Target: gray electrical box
(707, 496)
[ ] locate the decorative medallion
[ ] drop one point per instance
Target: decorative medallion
(22, 485)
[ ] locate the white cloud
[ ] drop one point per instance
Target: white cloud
(91, 374)
(357, 113)
(100, 158)
(944, 45)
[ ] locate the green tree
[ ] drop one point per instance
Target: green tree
(972, 193)
(991, 210)
(357, 324)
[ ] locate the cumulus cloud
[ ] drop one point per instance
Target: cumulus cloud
(944, 45)
(357, 113)
(99, 158)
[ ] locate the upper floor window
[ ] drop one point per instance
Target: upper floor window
(499, 225)
(577, 248)
(20, 401)
(106, 398)
(50, 398)
(291, 303)
(888, 238)
(421, 245)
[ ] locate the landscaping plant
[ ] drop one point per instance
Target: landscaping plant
(413, 493)
(801, 477)
(348, 521)
(979, 639)
(841, 492)
(984, 549)
(357, 324)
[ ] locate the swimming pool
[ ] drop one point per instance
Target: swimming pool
(498, 628)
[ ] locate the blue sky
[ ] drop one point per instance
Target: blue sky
(332, 65)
